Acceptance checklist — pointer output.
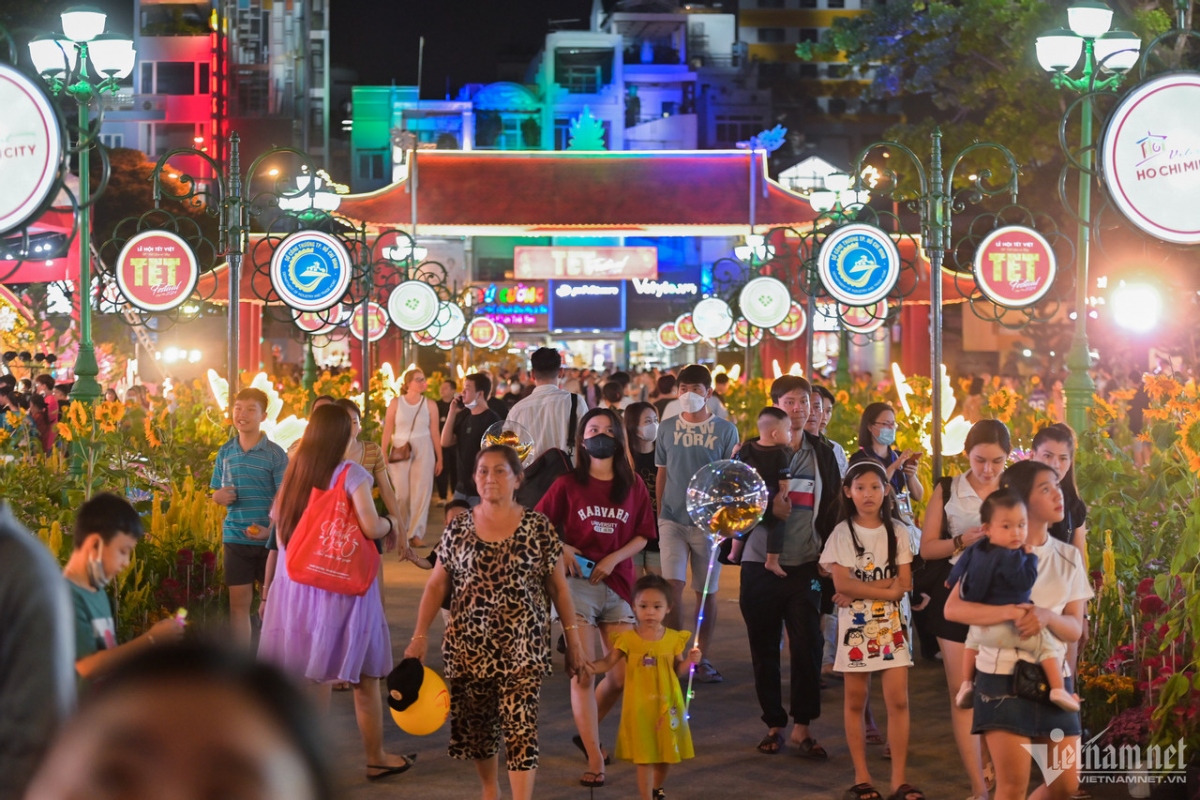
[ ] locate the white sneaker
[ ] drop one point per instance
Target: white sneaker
(966, 695)
(1064, 700)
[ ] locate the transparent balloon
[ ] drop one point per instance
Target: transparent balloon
(727, 498)
(511, 434)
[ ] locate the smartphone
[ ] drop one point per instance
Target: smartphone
(586, 565)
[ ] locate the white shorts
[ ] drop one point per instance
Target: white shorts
(677, 543)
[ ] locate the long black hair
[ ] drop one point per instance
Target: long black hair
(887, 510)
(1061, 433)
(623, 476)
(1021, 476)
(866, 440)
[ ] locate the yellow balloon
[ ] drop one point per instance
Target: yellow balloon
(430, 710)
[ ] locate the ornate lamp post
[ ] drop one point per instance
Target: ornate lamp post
(62, 60)
(1107, 56)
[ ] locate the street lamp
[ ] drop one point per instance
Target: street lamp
(62, 61)
(1107, 56)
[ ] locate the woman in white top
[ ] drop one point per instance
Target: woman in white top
(412, 420)
(1011, 724)
(987, 446)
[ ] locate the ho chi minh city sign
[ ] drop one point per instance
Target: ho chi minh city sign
(858, 264)
(310, 271)
(30, 148)
(1150, 157)
(157, 271)
(1014, 266)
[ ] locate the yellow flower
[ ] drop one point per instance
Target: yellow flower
(151, 439)
(1110, 563)
(12, 419)
(842, 397)
(1035, 380)
(77, 416)
(64, 432)
(4, 436)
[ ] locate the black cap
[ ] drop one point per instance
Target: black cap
(404, 683)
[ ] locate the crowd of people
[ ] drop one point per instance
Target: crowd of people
(839, 571)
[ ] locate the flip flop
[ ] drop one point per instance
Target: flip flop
(862, 791)
(577, 740)
(388, 772)
(808, 748)
(771, 744)
(906, 791)
(594, 782)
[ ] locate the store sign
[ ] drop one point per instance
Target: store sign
(310, 271)
(583, 306)
(858, 264)
(595, 263)
(157, 271)
(519, 306)
(1014, 266)
(1150, 157)
(30, 148)
(664, 289)
(377, 322)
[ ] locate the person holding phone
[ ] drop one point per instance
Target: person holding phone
(876, 437)
(604, 515)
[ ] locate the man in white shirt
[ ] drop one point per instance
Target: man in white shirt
(546, 411)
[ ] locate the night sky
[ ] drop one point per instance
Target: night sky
(464, 39)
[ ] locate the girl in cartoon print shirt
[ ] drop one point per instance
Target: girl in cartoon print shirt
(870, 565)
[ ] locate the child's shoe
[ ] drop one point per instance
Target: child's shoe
(966, 695)
(1064, 700)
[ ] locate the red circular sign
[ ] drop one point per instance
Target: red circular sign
(1014, 266)
(481, 332)
(793, 324)
(157, 271)
(423, 338)
(866, 319)
(667, 337)
(377, 322)
(318, 322)
(685, 329)
(747, 335)
(502, 337)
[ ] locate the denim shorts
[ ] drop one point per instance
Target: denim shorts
(997, 708)
(595, 604)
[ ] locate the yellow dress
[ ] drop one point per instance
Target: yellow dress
(653, 728)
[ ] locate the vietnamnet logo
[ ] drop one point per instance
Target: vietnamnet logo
(1154, 146)
(664, 288)
(587, 290)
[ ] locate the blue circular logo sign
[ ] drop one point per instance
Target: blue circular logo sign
(310, 271)
(858, 264)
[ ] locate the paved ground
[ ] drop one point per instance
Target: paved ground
(725, 727)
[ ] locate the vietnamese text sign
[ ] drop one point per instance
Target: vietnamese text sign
(1150, 157)
(591, 263)
(518, 306)
(1014, 266)
(156, 271)
(30, 147)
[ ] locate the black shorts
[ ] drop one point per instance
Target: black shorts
(245, 564)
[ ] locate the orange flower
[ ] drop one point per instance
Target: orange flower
(1144, 436)
(151, 439)
(64, 432)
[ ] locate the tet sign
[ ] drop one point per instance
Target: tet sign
(1014, 267)
(157, 271)
(595, 263)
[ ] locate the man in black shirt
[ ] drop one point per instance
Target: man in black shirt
(448, 479)
(464, 431)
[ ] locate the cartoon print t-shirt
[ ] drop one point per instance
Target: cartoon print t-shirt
(872, 634)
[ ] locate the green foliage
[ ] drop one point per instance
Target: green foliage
(587, 132)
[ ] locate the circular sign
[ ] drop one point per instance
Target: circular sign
(30, 148)
(447, 344)
(310, 271)
(1150, 156)
(423, 338)
(685, 330)
(1014, 266)
(156, 270)
(449, 323)
(413, 305)
(725, 339)
(481, 332)
(712, 317)
(793, 325)
(377, 322)
(668, 339)
(858, 319)
(765, 302)
(318, 322)
(747, 335)
(859, 264)
(502, 337)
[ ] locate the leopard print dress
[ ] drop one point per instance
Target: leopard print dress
(500, 607)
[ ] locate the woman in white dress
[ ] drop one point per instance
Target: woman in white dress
(414, 452)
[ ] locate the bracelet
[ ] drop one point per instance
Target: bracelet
(391, 525)
(418, 636)
(958, 544)
(569, 628)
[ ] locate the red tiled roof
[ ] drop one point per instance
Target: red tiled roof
(694, 193)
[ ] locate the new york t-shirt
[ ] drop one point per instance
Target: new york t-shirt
(588, 520)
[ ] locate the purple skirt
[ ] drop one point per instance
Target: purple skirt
(323, 636)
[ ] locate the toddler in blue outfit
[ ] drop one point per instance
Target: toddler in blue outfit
(1001, 570)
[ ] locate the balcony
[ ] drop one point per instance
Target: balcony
(676, 132)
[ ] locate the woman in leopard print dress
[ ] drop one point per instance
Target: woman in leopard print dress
(504, 564)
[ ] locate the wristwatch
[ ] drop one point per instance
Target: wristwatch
(958, 544)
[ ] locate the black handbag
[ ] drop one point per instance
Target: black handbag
(1029, 682)
(930, 574)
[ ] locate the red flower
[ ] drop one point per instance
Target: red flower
(1145, 587)
(208, 559)
(1153, 605)
(1097, 577)
(184, 558)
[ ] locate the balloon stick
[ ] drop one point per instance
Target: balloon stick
(712, 558)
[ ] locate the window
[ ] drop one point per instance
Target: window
(370, 166)
(836, 71)
(175, 77)
(837, 3)
(112, 140)
(204, 85)
(837, 105)
(770, 35)
(583, 70)
(172, 136)
(770, 3)
(808, 71)
(810, 35)
(147, 77)
(733, 128)
(808, 3)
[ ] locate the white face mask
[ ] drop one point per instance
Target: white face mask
(691, 402)
(648, 432)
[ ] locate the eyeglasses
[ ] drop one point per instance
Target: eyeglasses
(883, 425)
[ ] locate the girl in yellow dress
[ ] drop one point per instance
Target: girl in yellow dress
(654, 731)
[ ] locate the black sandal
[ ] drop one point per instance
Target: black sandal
(907, 791)
(388, 772)
(772, 744)
(595, 781)
(577, 740)
(808, 748)
(862, 791)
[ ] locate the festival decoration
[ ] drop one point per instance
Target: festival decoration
(511, 434)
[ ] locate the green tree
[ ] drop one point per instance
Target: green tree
(587, 132)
